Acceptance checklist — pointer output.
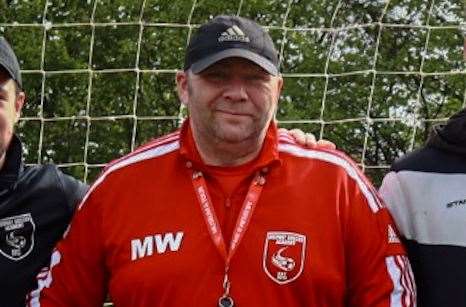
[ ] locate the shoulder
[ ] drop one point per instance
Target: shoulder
(51, 175)
(431, 159)
(72, 187)
(342, 166)
(48, 182)
(152, 150)
(45, 175)
(334, 158)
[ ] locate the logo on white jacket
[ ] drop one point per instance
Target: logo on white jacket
(158, 243)
(17, 236)
(284, 254)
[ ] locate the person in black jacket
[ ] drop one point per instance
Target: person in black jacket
(36, 202)
(425, 191)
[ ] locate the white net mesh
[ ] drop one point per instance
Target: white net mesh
(370, 75)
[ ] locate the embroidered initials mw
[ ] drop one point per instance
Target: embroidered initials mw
(141, 248)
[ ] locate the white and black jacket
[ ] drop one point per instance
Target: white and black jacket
(36, 205)
(426, 194)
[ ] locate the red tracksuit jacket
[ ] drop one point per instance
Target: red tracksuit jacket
(319, 235)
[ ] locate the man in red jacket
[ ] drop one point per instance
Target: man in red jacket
(227, 211)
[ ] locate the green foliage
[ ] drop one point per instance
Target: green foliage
(27, 42)
(444, 51)
(266, 12)
(305, 51)
(157, 96)
(61, 11)
(354, 50)
(208, 9)
(115, 47)
(359, 12)
(67, 48)
(347, 97)
(117, 10)
(21, 11)
(163, 48)
(371, 75)
(400, 49)
(301, 99)
(168, 11)
(112, 94)
(311, 14)
(64, 95)
(101, 147)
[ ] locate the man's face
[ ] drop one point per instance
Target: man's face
(231, 101)
(10, 109)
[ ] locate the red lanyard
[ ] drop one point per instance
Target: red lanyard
(242, 223)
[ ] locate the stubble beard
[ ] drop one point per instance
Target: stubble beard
(225, 139)
(232, 132)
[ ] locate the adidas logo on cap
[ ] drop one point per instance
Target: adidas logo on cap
(233, 34)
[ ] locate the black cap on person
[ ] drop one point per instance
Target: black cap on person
(231, 36)
(9, 62)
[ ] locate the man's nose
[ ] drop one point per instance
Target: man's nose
(236, 91)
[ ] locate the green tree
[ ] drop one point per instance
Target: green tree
(371, 75)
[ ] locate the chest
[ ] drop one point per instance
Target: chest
(158, 245)
(31, 222)
(436, 207)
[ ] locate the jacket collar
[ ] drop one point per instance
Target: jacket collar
(13, 165)
(450, 136)
(268, 155)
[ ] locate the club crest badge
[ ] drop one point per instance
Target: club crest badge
(284, 254)
(17, 236)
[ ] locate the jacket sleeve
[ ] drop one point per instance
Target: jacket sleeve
(393, 195)
(76, 275)
(378, 271)
(73, 189)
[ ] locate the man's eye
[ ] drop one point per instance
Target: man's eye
(256, 77)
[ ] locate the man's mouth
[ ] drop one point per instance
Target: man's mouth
(232, 113)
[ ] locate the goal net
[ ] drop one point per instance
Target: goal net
(371, 75)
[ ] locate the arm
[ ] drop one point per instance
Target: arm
(392, 193)
(76, 274)
(379, 273)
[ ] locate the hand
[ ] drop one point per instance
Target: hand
(308, 139)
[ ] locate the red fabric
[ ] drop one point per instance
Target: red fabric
(345, 254)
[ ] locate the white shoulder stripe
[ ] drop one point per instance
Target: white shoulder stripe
(145, 155)
(404, 288)
(334, 159)
(33, 298)
(395, 275)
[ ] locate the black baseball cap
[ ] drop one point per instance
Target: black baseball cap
(9, 62)
(231, 36)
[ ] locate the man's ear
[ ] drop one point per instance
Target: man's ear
(182, 86)
(280, 84)
(19, 103)
(279, 87)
